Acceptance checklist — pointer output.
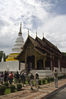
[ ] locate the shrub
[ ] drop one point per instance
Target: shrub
(43, 81)
(6, 84)
(19, 87)
(61, 77)
(46, 81)
(7, 91)
(2, 89)
(26, 82)
(51, 79)
(39, 82)
(12, 87)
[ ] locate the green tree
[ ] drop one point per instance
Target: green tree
(2, 54)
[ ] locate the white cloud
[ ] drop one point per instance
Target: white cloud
(12, 12)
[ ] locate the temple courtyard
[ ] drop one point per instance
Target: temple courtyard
(42, 92)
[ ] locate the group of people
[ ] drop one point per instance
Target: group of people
(18, 78)
(11, 77)
(21, 78)
(36, 78)
(3, 77)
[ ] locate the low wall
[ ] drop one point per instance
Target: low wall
(63, 70)
(9, 66)
(43, 73)
(46, 73)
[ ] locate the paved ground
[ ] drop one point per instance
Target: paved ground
(26, 93)
(60, 95)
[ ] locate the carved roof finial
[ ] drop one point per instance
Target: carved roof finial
(28, 32)
(43, 35)
(36, 33)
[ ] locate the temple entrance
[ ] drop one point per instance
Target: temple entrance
(40, 64)
(48, 63)
(56, 62)
(30, 62)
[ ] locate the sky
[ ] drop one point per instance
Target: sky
(43, 16)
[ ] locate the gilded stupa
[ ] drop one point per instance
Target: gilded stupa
(17, 46)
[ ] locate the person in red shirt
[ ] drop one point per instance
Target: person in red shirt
(11, 78)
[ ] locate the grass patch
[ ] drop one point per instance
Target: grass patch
(46, 82)
(7, 91)
(26, 82)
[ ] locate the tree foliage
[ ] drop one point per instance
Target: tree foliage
(2, 55)
(64, 53)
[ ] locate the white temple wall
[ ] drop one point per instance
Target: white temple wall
(60, 72)
(14, 66)
(43, 73)
(63, 70)
(9, 66)
(22, 66)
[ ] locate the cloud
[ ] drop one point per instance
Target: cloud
(54, 6)
(45, 16)
(55, 31)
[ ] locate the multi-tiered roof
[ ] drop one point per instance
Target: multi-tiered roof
(43, 46)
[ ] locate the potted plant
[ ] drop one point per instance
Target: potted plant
(2, 89)
(6, 84)
(19, 87)
(12, 87)
(39, 82)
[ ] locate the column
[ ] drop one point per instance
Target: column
(35, 60)
(26, 59)
(19, 65)
(52, 63)
(59, 64)
(44, 59)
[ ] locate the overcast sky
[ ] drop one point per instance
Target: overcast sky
(43, 16)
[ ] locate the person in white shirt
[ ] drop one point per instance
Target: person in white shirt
(56, 78)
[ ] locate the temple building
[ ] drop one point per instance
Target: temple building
(17, 46)
(40, 54)
(35, 55)
(63, 62)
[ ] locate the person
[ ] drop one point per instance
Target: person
(17, 77)
(56, 78)
(31, 81)
(23, 79)
(11, 78)
(1, 77)
(6, 76)
(36, 80)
